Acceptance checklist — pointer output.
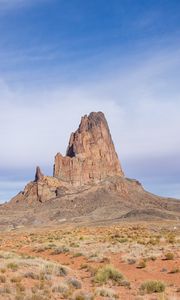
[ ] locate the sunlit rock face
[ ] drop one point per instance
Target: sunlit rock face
(90, 156)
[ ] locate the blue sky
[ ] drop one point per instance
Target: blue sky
(62, 59)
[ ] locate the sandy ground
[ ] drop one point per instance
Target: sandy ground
(141, 252)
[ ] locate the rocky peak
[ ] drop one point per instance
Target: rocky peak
(91, 155)
(38, 175)
(90, 161)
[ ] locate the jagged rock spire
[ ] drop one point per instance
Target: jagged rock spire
(38, 175)
(91, 155)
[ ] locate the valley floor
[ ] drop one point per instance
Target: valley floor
(121, 261)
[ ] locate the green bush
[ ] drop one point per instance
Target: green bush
(106, 273)
(152, 287)
(12, 266)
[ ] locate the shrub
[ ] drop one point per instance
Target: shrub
(31, 275)
(131, 261)
(83, 266)
(12, 266)
(82, 295)
(169, 256)
(3, 270)
(48, 268)
(16, 279)
(106, 292)
(125, 283)
(78, 254)
(153, 258)
(61, 271)
(152, 287)
(106, 273)
(75, 283)
(60, 288)
(122, 240)
(171, 238)
(153, 241)
(60, 250)
(41, 248)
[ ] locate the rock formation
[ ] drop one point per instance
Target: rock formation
(90, 159)
(88, 183)
(90, 156)
(39, 175)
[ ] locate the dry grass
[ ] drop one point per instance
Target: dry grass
(86, 263)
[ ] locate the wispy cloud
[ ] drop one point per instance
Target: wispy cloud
(142, 105)
(10, 4)
(140, 96)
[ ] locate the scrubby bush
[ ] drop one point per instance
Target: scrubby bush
(61, 271)
(75, 283)
(13, 266)
(60, 288)
(153, 258)
(106, 292)
(59, 250)
(82, 295)
(169, 256)
(78, 254)
(171, 239)
(152, 287)
(106, 273)
(31, 275)
(131, 261)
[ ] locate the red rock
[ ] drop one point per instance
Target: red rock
(90, 159)
(90, 156)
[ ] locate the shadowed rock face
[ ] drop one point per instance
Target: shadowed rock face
(90, 156)
(39, 175)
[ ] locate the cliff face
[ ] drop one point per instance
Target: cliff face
(90, 156)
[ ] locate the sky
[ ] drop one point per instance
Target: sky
(62, 59)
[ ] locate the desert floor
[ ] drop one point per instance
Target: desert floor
(120, 261)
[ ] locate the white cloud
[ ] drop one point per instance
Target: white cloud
(35, 126)
(142, 105)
